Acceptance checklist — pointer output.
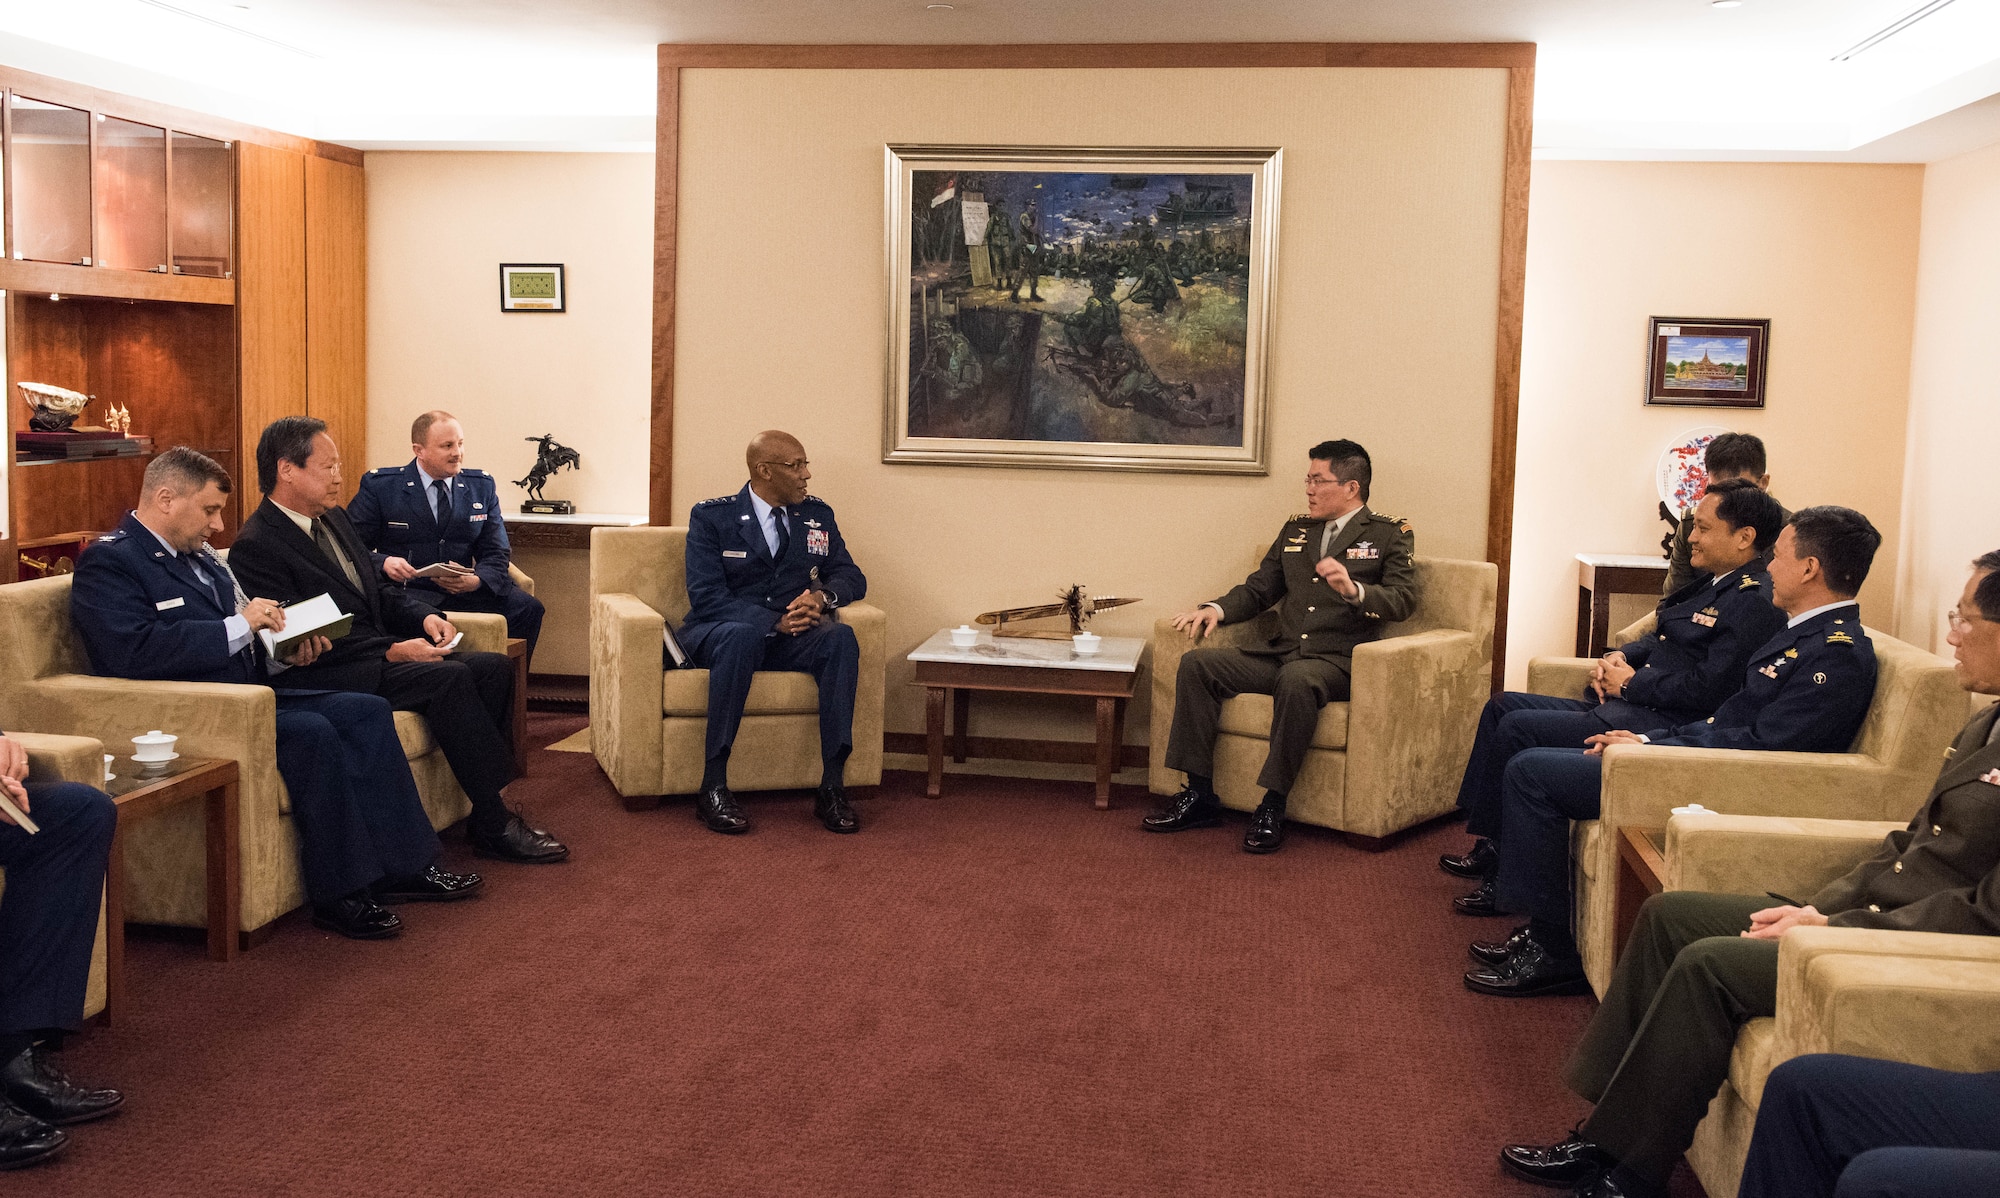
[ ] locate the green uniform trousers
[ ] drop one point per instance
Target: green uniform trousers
(1298, 687)
(1658, 1048)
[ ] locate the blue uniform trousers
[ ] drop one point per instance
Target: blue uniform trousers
(1511, 722)
(1859, 1128)
(48, 915)
(354, 802)
(523, 611)
(732, 652)
(1541, 791)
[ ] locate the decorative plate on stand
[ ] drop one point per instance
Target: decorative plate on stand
(1682, 475)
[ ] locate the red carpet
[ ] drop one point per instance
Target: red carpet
(1000, 992)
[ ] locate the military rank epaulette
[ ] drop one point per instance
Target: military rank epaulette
(1300, 516)
(1839, 638)
(717, 499)
(114, 535)
(473, 472)
(386, 470)
(1749, 583)
(1398, 521)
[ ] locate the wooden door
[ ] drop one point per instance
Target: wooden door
(270, 296)
(336, 310)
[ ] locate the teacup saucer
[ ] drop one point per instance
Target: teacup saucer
(157, 760)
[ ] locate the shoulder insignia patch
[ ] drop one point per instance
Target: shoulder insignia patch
(1836, 638)
(1405, 526)
(1749, 583)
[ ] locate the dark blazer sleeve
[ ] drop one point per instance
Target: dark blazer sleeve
(260, 565)
(491, 552)
(1743, 627)
(1264, 587)
(123, 632)
(365, 514)
(840, 576)
(709, 598)
(1798, 717)
(1394, 596)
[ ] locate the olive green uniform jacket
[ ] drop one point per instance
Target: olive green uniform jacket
(1314, 621)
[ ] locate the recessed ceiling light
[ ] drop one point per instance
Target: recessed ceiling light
(1725, 3)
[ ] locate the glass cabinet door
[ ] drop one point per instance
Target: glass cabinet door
(50, 182)
(204, 189)
(130, 190)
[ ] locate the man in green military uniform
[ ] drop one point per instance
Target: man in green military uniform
(1335, 573)
(1700, 965)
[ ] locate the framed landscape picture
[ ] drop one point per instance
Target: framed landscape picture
(1704, 363)
(1077, 308)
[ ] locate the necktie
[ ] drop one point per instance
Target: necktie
(443, 502)
(784, 533)
(1326, 537)
(330, 547)
(206, 577)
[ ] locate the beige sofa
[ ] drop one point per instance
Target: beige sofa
(647, 723)
(69, 759)
(1390, 757)
(1918, 997)
(45, 686)
(1917, 709)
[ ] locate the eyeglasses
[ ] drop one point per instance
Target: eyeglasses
(1314, 482)
(1958, 623)
(794, 467)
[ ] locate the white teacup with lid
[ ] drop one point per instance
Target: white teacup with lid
(1694, 809)
(965, 636)
(154, 746)
(1087, 643)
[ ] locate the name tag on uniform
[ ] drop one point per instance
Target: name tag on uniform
(817, 541)
(735, 553)
(398, 524)
(1295, 549)
(165, 604)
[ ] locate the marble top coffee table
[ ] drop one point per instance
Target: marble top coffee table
(1030, 666)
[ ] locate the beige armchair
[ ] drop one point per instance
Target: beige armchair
(1917, 709)
(45, 686)
(70, 759)
(647, 723)
(1918, 997)
(1386, 760)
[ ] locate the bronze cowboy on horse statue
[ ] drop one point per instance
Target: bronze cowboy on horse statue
(549, 458)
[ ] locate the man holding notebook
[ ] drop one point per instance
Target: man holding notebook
(153, 601)
(297, 545)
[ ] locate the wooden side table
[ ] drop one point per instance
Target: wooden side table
(517, 652)
(140, 791)
(1599, 576)
(1025, 666)
(1642, 873)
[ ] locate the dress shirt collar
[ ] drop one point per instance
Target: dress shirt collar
(1802, 617)
(304, 522)
(426, 476)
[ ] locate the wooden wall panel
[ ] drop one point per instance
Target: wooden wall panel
(336, 311)
(271, 295)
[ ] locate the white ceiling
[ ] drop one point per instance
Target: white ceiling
(1615, 78)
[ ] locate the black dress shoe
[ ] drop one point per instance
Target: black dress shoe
(517, 842)
(1190, 808)
(1479, 902)
(717, 808)
(1494, 952)
(1267, 830)
(357, 917)
(25, 1139)
(1481, 862)
(32, 1083)
(1530, 973)
(1601, 1186)
(830, 807)
(431, 886)
(1574, 1162)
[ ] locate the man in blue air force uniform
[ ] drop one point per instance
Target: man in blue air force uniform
(1694, 659)
(152, 601)
(1807, 690)
(436, 509)
(766, 567)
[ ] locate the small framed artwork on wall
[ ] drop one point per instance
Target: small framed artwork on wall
(531, 287)
(1698, 362)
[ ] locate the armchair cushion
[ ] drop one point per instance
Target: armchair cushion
(1745, 854)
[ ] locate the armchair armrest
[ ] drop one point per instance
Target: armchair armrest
(213, 719)
(1747, 854)
(1563, 677)
(1919, 997)
(1410, 723)
(627, 733)
(62, 758)
(1642, 783)
(520, 578)
(871, 633)
(485, 631)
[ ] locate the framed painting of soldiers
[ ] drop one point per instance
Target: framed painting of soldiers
(1075, 308)
(1705, 363)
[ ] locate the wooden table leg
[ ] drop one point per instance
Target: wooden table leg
(961, 715)
(934, 738)
(517, 648)
(1107, 748)
(1583, 622)
(1600, 621)
(114, 927)
(225, 875)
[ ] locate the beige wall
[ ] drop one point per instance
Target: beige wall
(439, 226)
(1384, 327)
(1952, 496)
(1827, 252)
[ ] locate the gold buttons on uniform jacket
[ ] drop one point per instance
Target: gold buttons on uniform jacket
(1877, 910)
(1302, 636)
(1896, 868)
(1937, 829)
(1312, 609)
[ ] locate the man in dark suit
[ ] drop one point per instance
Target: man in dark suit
(1695, 658)
(298, 544)
(153, 601)
(1807, 690)
(766, 567)
(48, 923)
(434, 510)
(1701, 965)
(1334, 573)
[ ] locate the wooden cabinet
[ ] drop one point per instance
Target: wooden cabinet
(262, 314)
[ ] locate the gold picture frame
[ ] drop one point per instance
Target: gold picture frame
(1080, 308)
